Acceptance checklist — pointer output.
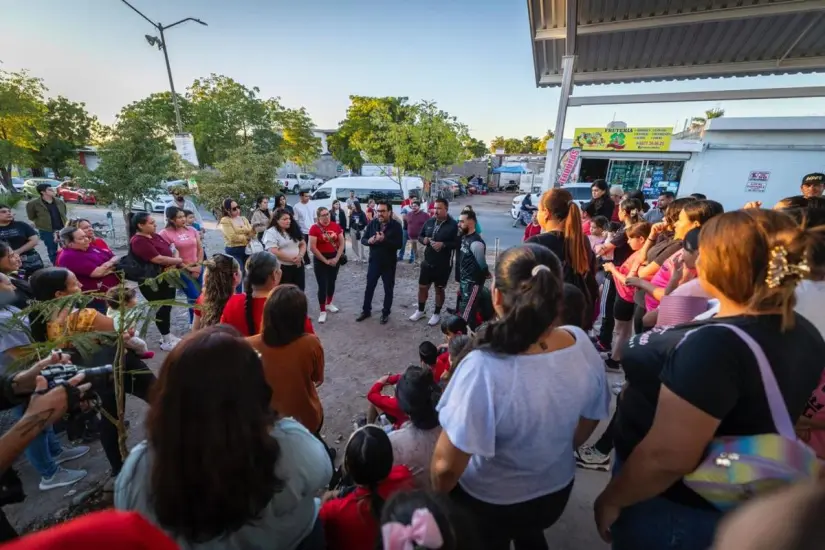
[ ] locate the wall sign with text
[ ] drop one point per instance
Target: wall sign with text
(623, 139)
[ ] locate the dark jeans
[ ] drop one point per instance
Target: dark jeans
(239, 253)
(605, 443)
(7, 532)
(293, 275)
(386, 272)
(306, 250)
(48, 241)
(661, 524)
(522, 523)
(315, 539)
(607, 301)
(137, 381)
(325, 276)
(163, 315)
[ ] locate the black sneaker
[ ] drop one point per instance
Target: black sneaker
(385, 319)
(611, 365)
(364, 315)
(600, 347)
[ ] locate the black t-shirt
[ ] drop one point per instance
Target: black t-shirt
(16, 233)
(715, 371)
(622, 250)
(54, 214)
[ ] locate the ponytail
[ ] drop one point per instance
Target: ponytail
(248, 306)
(576, 251)
(376, 501)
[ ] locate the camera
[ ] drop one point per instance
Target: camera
(98, 377)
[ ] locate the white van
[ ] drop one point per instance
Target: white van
(366, 188)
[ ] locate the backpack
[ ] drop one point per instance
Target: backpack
(738, 468)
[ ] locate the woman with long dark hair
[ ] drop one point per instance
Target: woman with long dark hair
(58, 328)
(561, 223)
(187, 243)
(601, 205)
(357, 223)
(10, 263)
(260, 216)
(237, 232)
(336, 214)
(258, 483)
(327, 243)
(280, 204)
(222, 276)
(284, 239)
(351, 517)
(695, 382)
(520, 366)
(146, 245)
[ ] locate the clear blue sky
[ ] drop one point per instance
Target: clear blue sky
(471, 57)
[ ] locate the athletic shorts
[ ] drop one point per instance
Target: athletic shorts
(623, 310)
(435, 275)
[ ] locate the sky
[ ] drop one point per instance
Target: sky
(473, 58)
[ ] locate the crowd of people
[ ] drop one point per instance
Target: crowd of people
(715, 319)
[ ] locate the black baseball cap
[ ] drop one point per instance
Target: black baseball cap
(816, 178)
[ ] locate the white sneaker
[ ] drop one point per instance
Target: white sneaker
(417, 315)
(434, 320)
(61, 478)
(332, 309)
(323, 317)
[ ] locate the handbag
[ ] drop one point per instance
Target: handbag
(135, 269)
(343, 259)
(738, 468)
(254, 247)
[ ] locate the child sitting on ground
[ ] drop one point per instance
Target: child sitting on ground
(350, 516)
(134, 343)
(455, 349)
(433, 518)
(451, 326)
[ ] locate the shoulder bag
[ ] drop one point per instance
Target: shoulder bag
(738, 468)
(136, 269)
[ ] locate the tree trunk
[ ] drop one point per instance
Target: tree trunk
(126, 211)
(5, 176)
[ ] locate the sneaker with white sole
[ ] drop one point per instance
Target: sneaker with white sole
(417, 315)
(61, 478)
(589, 458)
(332, 308)
(70, 453)
(434, 319)
(322, 318)
(168, 346)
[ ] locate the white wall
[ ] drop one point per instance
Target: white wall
(722, 174)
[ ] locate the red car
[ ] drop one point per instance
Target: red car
(72, 194)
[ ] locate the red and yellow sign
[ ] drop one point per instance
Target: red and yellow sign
(623, 139)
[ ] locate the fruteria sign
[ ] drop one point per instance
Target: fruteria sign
(623, 139)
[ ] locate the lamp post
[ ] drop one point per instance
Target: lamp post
(161, 44)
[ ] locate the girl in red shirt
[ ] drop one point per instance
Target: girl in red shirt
(350, 516)
(245, 312)
(326, 241)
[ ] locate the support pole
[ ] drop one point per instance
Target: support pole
(178, 122)
(568, 65)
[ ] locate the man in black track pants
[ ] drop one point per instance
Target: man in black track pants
(472, 273)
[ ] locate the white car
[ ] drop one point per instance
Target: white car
(580, 191)
(296, 182)
(160, 199)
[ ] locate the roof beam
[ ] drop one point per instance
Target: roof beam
(572, 27)
(690, 71)
(686, 18)
(717, 95)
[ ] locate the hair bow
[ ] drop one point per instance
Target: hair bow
(422, 532)
(780, 269)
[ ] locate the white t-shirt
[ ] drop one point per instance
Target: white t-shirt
(516, 414)
(810, 303)
(274, 239)
(304, 215)
(414, 449)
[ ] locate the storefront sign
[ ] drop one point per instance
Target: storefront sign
(567, 165)
(623, 139)
(757, 182)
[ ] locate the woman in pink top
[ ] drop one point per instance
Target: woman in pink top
(187, 242)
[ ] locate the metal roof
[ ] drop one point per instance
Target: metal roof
(652, 40)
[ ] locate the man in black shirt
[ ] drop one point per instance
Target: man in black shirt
(383, 237)
(48, 214)
(472, 272)
(22, 238)
(439, 237)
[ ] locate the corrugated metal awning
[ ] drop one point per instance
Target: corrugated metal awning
(649, 40)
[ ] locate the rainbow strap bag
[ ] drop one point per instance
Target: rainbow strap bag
(738, 468)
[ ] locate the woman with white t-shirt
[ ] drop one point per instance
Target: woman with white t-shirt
(284, 239)
(525, 396)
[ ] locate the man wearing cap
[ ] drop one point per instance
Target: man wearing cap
(813, 185)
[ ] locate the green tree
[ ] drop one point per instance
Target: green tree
(498, 143)
(158, 112)
(67, 127)
(225, 115)
(513, 146)
(22, 116)
(542, 147)
(367, 128)
(243, 175)
(299, 144)
(475, 148)
(530, 145)
(132, 165)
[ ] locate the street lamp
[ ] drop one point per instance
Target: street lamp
(161, 44)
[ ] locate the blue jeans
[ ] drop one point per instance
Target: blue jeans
(192, 289)
(51, 246)
(43, 448)
(661, 524)
(404, 237)
(239, 253)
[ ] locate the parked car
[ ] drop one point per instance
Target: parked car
(295, 182)
(30, 185)
(70, 193)
(17, 184)
(154, 202)
(366, 188)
